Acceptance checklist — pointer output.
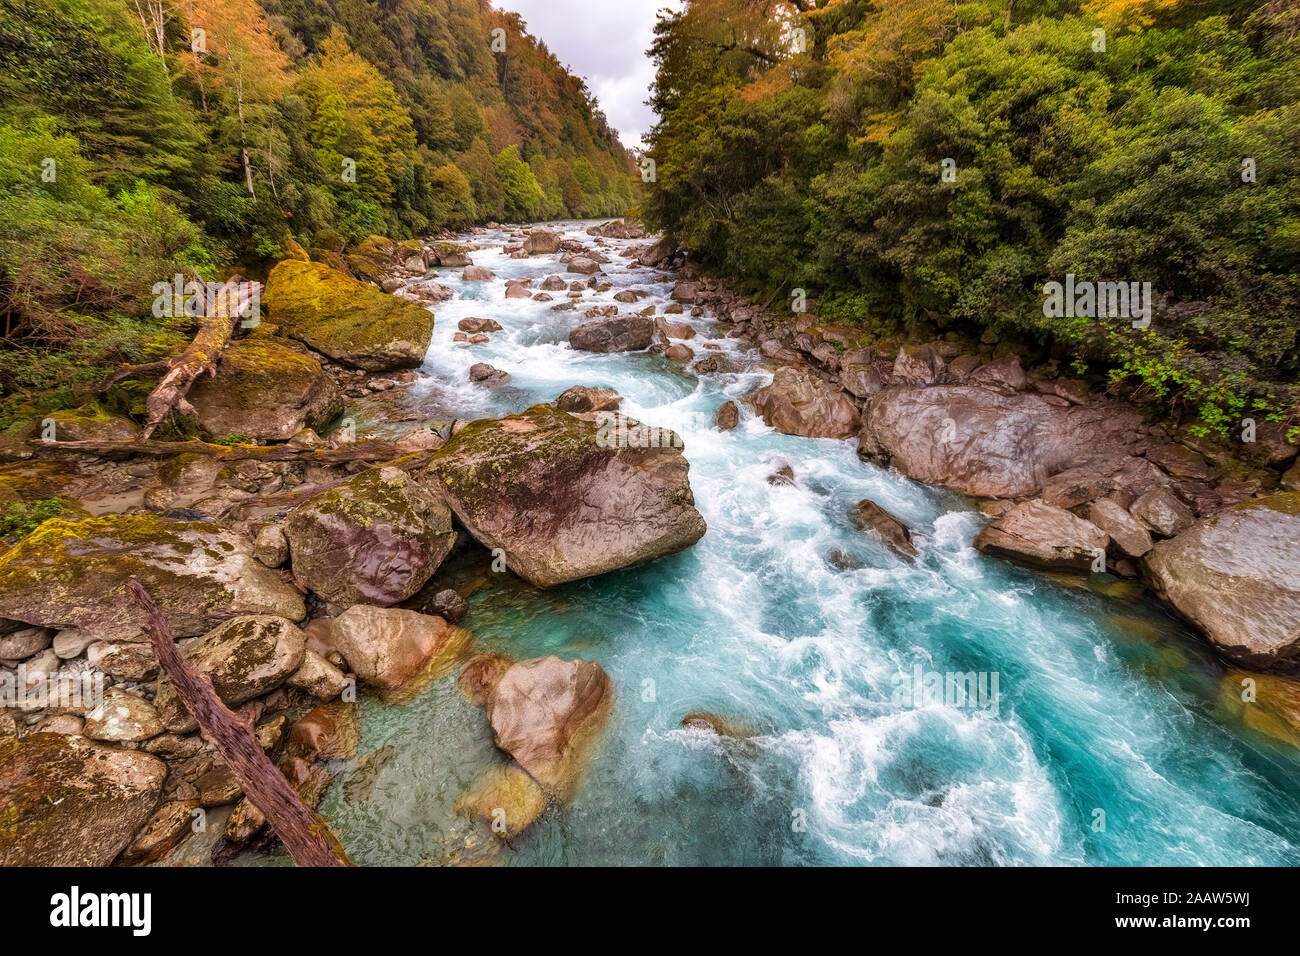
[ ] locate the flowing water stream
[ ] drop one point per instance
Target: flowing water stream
(1104, 704)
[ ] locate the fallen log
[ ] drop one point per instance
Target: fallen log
(303, 833)
(366, 450)
(216, 326)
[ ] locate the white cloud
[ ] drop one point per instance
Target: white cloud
(605, 42)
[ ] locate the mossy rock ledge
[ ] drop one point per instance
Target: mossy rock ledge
(73, 574)
(65, 801)
(568, 496)
(349, 321)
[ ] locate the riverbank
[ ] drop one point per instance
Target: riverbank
(744, 678)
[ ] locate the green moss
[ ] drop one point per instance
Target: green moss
(340, 316)
(1287, 503)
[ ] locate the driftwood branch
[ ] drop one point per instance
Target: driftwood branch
(307, 838)
(202, 354)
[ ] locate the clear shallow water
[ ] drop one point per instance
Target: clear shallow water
(1103, 703)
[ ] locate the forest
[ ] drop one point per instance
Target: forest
(140, 139)
(918, 167)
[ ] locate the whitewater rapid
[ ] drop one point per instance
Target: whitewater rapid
(1104, 744)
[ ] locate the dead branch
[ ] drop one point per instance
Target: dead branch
(202, 355)
(308, 840)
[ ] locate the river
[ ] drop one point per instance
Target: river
(1104, 744)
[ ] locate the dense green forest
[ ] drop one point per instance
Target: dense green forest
(141, 138)
(923, 166)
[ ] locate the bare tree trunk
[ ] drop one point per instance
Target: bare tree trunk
(243, 142)
(304, 834)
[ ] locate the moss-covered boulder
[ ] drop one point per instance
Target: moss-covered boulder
(73, 574)
(244, 658)
(264, 390)
(85, 424)
(1236, 576)
(375, 539)
(347, 320)
(566, 496)
(65, 801)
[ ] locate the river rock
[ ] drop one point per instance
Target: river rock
(478, 325)
(542, 242)
(580, 398)
(919, 367)
(679, 353)
(798, 403)
(25, 643)
(73, 574)
(989, 443)
(318, 677)
(70, 802)
(478, 274)
(687, 293)
(566, 497)
(81, 424)
(350, 321)
(121, 717)
(1097, 478)
(266, 391)
(327, 732)
(1128, 534)
(866, 515)
(386, 647)
(481, 675)
(545, 713)
(623, 333)
(481, 373)
(375, 539)
(271, 547)
(727, 416)
(1040, 536)
(583, 265)
(244, 658)
(168, 828)
(1163, 512)
(1236, 576)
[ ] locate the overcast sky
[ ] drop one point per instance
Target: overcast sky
(604, 42)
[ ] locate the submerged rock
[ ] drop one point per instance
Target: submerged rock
(1236, 576)
(545, 713)
(798, 403)
(375, 539)
(349, 321)
(73, 574)
(328, 732)
(1040, 536)
(507, 799)
(565, 497)
(264, 390)
(69, 802)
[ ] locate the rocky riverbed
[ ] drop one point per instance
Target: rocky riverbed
(535, 546)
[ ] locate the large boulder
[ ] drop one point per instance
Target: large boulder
(622, 333)
(1040, 536)
(375, 539)
(386, 647)
(73, 574)
(545, 713)
(244, 658)
(264, 390)
(799, 403)
(69, 802)
(84, 424)
(1236, 576)
(542, 242)
(989, 443)
(349, 321)
(567, 497)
